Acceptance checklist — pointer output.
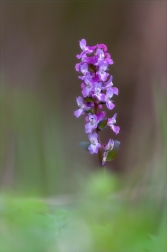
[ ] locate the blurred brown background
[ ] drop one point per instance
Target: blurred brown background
(39, 86)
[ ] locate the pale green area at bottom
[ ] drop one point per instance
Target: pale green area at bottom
(99, 221)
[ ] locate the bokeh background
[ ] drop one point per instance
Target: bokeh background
(39, 134)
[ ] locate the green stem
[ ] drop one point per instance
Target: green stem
(98, 133)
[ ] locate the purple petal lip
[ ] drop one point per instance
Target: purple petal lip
(109, 83)
(115, 90)
(94, 148)
(113, 119)
(77, 67)
(79, 101)
(82, 85)
(88, 128)
(109, 93)
(93, 137)
(84, 68)
(101, 115)
(82, 44)
(81, 77)
(90, 60)
(104, 47)
(103, 76)
(116, 129)
(78, 112)
(84, 93)
(111, 122)
(110, 105)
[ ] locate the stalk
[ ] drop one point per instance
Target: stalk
(98, 133)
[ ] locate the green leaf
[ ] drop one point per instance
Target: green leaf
(89, 99)
(91, 111)
(102, 124)
(114, 152)
(84, 145)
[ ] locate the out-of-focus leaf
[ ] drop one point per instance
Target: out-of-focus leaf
(114, 152)
(89, 99)
(91, 111)
(100, 184)
(84, 145)
(102, 124)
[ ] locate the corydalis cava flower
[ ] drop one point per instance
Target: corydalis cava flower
(97, 91)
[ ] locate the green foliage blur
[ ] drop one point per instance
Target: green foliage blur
(30, 147)
(102, 219)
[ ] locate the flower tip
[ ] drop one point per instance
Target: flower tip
(82, 40)
(82, 44)
(77, 67)
(116, 129)
(76, 113)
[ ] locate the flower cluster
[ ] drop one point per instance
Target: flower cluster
(97, 90)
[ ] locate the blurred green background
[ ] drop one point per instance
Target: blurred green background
(39, 134)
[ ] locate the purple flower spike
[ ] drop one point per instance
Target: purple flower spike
(94, 146)
(97, 91)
